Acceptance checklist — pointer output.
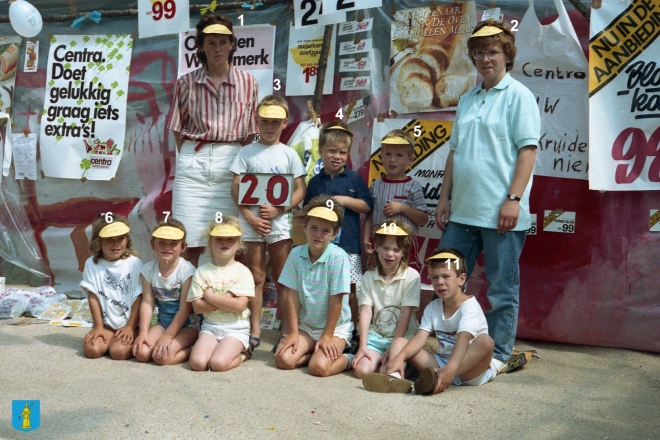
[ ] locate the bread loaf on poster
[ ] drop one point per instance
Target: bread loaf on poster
(449, 88)
(420, 72)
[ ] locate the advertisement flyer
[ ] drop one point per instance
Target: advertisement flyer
(430, 155)
(254, 54)
(430, 68)
(303, 58)
(624, 96)
(84, 117)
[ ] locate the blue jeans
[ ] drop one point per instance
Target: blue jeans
(501, 255)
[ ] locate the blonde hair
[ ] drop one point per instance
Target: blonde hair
(95, 243)
(229, 220)
(329, 136)
(404, 242)
(274, 100)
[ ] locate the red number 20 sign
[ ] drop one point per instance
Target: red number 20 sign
(265, 189)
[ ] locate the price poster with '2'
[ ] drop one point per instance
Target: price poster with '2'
(162, 17)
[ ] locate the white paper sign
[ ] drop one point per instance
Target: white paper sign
(254, 53)
(624, 99)
(265, 189)
(352, 27)
(532, 229)
(303, 58)
(559, 221)
(349, 47)
(31, 56)
(162, 17)
(654, 220)
(25, 156)
(333, 6)
(310, 13)
(84, 117)
(357, 113)
(492, 13)
(358, 83)
(353, 65)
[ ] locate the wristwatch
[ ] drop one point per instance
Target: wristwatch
(513, 197)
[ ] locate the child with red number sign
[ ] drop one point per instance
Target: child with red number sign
(264, 224)
(111, 282)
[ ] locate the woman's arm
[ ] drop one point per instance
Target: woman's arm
(510, 210)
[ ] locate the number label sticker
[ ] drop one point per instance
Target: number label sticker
(389, 229)
(108, 216)
(455, 262)
(532, 228)
(330, 204)
(161, 17)
(218, 217)
(265, 189)
(167, 215)
(559, 221)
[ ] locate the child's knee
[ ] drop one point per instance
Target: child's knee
(198, 364)
(93, 352)
(120, 352)
(285, 362)
(220, 364)
(361, 370)
(320, 368)
(259, 275)
(484, 342)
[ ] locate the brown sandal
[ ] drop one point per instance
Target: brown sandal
(427, 381)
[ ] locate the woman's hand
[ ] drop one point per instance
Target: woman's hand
(508, 218)
(442, 213)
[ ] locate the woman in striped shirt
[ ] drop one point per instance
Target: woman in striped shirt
(212, 116)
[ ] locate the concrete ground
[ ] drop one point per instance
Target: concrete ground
(573, 392)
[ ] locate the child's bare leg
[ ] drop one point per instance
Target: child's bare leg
(368, 366)
(278, 252)
(255, 260)
(227, 354)
(290, 360)
(143, 352)
(97, 347)
(477, 358)
(353, 304)
(320, 365)
(395, 347)
(180, 347)
(202, 351)
(119, 351)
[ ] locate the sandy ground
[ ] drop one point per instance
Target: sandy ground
(573, 392)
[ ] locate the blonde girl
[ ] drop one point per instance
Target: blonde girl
(165, 283)
(111, 282)
(388, 297)
(221, 290)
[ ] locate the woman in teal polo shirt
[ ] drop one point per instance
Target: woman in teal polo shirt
(484, 202)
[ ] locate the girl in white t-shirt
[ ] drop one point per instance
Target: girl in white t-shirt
(388, 297)
(111, 281)
(167, 281)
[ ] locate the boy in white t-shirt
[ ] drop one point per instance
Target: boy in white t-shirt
(465, 349)
(267, 225)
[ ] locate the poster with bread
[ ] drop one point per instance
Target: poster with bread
(9, 49)
(429, 64)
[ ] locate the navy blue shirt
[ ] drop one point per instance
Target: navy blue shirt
(347, 183)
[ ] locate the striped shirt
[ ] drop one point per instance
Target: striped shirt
(201, 112)
(407, 191)
(236, 279)
(315, 282)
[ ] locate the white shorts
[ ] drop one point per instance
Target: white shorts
(202, 187)
(483, 378)
(280, 228)
(239, 330)
(342, 331)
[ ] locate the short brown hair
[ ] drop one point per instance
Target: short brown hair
(404, 242)
(507, 38)
(321, 201)
(449, 262)
(402, 134)
(328, 135)
(173, 223)
(95, 243)
(274, 100)
(208, 20)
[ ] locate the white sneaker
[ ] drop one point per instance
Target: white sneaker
(498, 366)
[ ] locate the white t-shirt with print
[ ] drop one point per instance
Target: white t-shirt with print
(468, 318)
(167, 291)
(116, 284)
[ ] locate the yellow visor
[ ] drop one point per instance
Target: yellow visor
(487, 31)
(217, 29)
(339, 127)
(272, 111)
(395, 140)
(443, 256)
(114, 230)
(225, 230)
(392, 229)
(324, 213)
(168, 233)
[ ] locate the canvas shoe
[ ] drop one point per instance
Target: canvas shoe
(382, 383)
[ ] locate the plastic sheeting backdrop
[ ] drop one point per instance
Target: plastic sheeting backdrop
(593, 287)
